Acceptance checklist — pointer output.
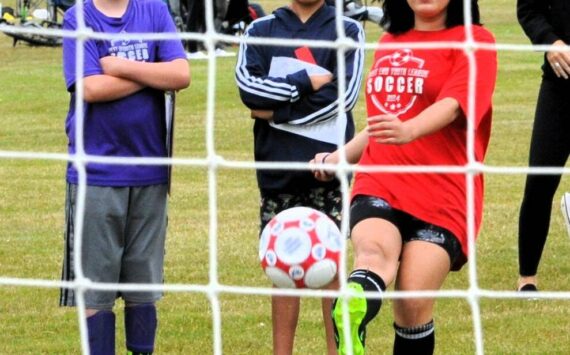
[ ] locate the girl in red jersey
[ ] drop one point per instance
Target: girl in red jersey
(411, 228)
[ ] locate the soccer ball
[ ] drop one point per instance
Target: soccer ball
(300, 247)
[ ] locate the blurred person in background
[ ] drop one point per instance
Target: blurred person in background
(545, 22)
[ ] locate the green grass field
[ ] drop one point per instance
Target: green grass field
(33, 106)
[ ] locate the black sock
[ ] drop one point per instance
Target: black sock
(418, 340)
(369, 282)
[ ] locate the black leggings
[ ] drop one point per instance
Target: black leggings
(549, 146)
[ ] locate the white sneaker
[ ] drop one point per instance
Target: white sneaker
(565, 206)
(223, 53)
(196, 55)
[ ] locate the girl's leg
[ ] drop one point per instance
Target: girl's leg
(423, 266)
(376, 244)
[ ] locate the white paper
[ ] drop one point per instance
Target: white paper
(283, 66)
(327, 131)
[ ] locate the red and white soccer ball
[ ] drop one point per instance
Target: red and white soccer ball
(300, 247)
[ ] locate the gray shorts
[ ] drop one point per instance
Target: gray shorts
(124, 231)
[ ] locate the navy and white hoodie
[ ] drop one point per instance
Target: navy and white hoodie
(305, 122)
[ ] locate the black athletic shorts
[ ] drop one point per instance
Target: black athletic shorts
(411, 228)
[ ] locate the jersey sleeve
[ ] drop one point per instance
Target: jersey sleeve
(457, 86)
(168, 50)
(323, 104)
(91, 65)
(257, 89)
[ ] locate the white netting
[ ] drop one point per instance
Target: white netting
(214, 161)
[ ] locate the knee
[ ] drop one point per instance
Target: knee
(374, 258)
(412, 312)
(377, 241)
(368, 251)
(374, 250)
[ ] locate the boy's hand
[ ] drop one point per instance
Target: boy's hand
(318, 80)
(111, 65)
(321, 174)
(262, 114)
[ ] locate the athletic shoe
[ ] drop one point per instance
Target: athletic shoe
(565, 206)
(223, 53)
(357, 312)
(196, 55)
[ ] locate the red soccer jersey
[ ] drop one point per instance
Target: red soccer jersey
(404, 83)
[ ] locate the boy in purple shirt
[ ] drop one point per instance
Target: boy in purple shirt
(126, 205)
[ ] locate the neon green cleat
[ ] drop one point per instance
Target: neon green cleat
(357, 312)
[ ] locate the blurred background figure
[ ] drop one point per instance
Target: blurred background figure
(195, 20)
(356, 10)
(545, 22)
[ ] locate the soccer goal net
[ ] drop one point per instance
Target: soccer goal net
(221, 178)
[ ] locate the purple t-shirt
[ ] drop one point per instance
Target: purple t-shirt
(133, 126)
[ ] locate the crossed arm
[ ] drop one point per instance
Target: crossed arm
(298, 98)
(123, 77)
(317, 81)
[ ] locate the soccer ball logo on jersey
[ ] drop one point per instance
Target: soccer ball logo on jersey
(395, 81)
(129, 49)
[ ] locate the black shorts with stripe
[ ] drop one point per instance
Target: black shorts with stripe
(410, 227)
